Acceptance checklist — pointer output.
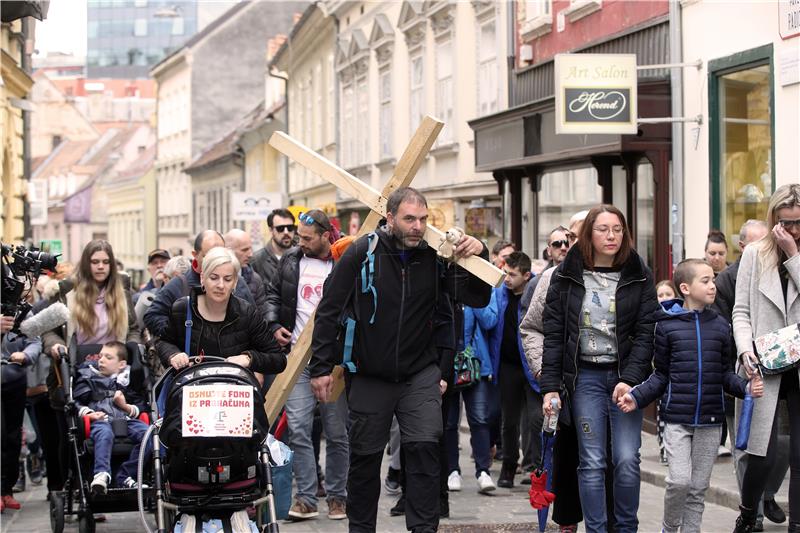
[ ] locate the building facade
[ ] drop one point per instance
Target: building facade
(14, 91)
(196, 104)
(546, 178)
(748, 92)
(396, 62)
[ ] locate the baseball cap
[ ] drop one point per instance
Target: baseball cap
(158, 252)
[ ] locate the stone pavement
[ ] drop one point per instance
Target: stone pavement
(470, 512)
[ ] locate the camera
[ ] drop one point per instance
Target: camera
(20, 262)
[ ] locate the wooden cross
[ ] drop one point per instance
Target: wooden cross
(404, 173)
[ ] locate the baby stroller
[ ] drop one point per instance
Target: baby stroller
(77, 498)
(210, 477)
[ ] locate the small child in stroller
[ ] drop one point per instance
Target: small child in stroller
(102, 394)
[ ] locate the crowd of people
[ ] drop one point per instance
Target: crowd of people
(585, 334)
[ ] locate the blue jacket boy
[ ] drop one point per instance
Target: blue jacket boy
(692, 367)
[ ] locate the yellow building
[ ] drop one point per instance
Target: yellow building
(15, 85)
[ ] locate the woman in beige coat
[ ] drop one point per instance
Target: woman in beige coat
(767, 299)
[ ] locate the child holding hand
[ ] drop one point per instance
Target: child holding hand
(691, 371)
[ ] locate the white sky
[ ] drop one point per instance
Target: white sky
(64, 29)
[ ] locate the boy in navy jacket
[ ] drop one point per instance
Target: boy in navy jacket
(691, 372)
(102, 393)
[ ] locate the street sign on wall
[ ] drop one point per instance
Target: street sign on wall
(596, 93)
(789, 18)
(252, 206)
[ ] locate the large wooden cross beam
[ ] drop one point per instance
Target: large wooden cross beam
(404, 173)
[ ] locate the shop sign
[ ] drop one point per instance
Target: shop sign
(52, 246)
(789, 18)
(596, 93)
(251, 206)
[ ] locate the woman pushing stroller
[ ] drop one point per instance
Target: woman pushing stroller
(220, 324)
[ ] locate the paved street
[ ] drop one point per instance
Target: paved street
(508, 510)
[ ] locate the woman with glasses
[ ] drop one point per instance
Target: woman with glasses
(768, 299)
(598, 343)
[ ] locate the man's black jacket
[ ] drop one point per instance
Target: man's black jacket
(636, 312)
(282, 292)
(408, 322)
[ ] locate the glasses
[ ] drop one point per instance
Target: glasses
(789, 223)
(559, 244)
(285, 227)
(308, 220)
(616, 230)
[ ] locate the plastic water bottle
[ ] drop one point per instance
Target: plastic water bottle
(743, 431)
(551, 422)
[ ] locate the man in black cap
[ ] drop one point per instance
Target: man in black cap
(156, 260)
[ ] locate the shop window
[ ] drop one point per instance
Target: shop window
(562, 194)
(645, 216)
(742, 171)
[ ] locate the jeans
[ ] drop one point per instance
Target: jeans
(594, 412)
(300, 416)
(476, 403)
(103, 436)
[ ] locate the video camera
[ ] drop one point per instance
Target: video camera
(20, 262)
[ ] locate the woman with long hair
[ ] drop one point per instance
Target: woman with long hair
(768, 299)
(598, 343)
(101, 311)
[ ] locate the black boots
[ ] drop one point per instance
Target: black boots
(506, 479)
(746, 521)
(773, 512)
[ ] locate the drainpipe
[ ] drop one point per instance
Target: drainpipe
(27, 231)
(676, 92)
(511, 54)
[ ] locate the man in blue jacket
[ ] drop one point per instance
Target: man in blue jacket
(518, 388)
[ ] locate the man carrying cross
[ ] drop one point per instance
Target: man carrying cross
(403, 321)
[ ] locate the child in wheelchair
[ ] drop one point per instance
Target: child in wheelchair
(102, 394)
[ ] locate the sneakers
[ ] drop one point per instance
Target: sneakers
(35, 466)
(302, 511)
(392, 482)
(454, 481)
(722, 451)
(100, 483)
(485, 483)
(9, 502)
(131, 483)
(337, 509)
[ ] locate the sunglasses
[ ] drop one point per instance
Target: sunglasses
(285, 227)
(789, 223)
(308, 220)
(559, 244)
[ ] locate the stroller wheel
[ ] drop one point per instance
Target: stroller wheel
(56, 512)
(86, 522)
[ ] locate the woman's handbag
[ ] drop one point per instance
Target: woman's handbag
(779, 350)
(467, 369)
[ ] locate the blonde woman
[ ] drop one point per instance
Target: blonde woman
(767, 299)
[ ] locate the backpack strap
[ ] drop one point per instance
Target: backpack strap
(347, 354)
(188, 336)
(367, 273)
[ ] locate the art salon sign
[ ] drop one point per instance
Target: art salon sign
(595, 93)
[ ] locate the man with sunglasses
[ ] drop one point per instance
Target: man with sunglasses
(292, 298)
(282, 232)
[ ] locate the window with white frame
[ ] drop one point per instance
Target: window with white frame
(140, 27)
(309, 103)
(538, 8)
(177, 26)
(444, 89)
(488, 87)
(385, 89)
(330, 111)
(346, 128)
(416, 101)
(362, 106)
(318, 91)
